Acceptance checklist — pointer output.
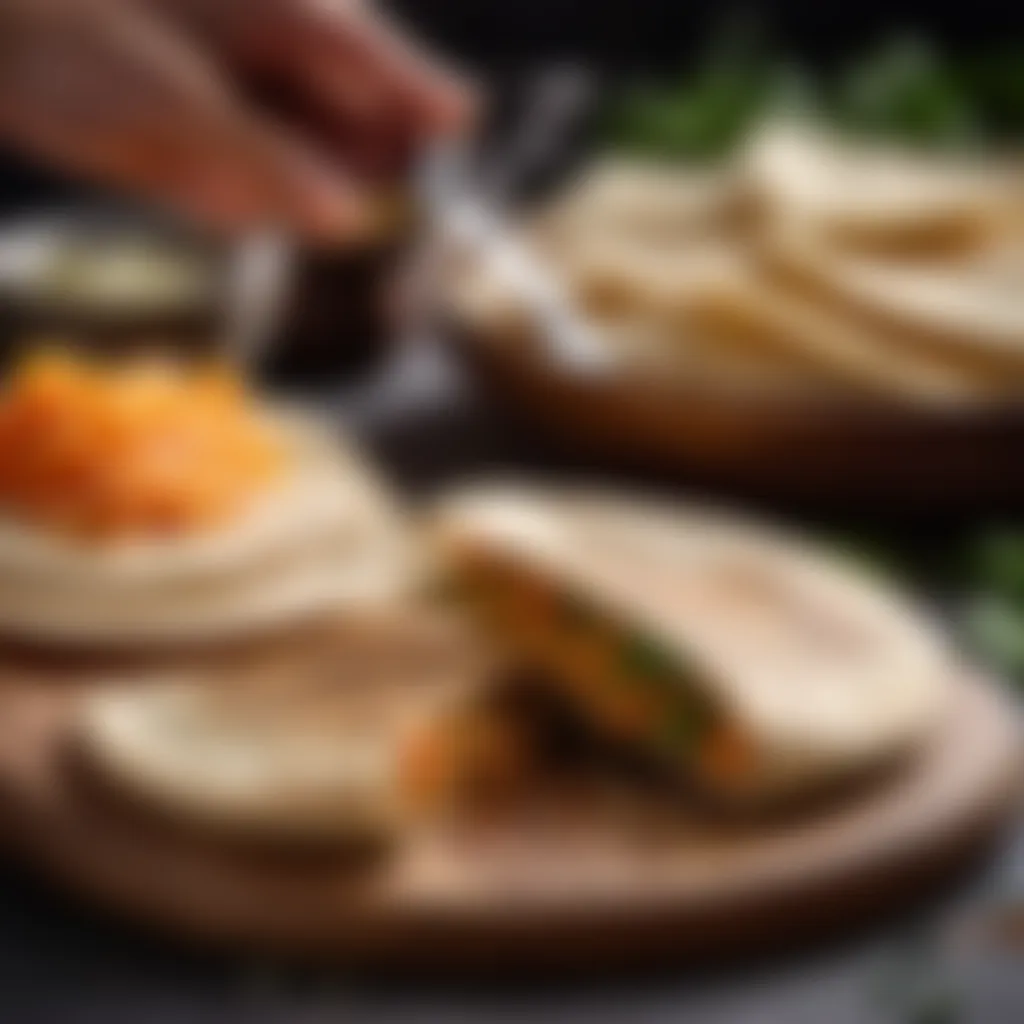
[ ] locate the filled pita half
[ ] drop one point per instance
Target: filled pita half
(741, 658)
(313, 745)
(324, 538)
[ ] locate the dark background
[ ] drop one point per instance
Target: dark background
(631, 33)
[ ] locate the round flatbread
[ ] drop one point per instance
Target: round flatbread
(707, 313)
(969, 310)
(306, 746)
(326, 537)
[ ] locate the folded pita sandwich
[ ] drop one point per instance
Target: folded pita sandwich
(752, 665)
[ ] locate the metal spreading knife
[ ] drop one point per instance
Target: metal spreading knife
(467, 219)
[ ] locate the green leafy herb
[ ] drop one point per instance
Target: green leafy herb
(706, 113)
(575, 613)
(996, 628)
(997, 562)
(683, 729)
(644, 658)
(996, 81)
(905, 89)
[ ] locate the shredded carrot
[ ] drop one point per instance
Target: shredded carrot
(425, 767)
(143, 447)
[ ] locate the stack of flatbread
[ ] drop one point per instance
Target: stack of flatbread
(809, 264)
(325, 538)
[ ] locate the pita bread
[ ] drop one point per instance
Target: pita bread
(707, 312)
(969, 310)
(791, 275)
(308, 748)
(802, 330)
(877, 196)
(328, 537)
(719, 302)
(643, 200)
(818, 670)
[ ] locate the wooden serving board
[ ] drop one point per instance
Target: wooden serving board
(552, 886)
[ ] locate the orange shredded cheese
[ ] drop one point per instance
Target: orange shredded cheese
(144, 447)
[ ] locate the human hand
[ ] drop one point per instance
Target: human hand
(156, 96)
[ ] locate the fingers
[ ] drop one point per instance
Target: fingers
(114, 91)
(112, 96)
(255, 175)
(373, 96)
(382, 100)
(316, 197)
(352, 58)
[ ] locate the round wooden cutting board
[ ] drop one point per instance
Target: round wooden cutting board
(577, 884)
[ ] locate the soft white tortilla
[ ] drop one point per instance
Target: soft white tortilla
(171, 746)
(306, 750)
(821, 666)
(279, 595)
